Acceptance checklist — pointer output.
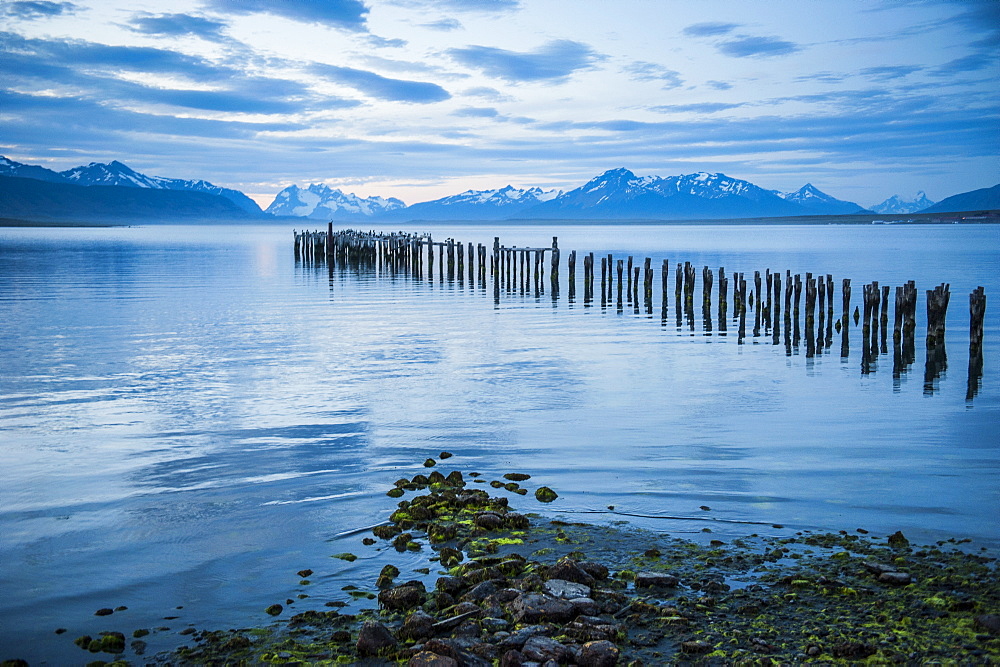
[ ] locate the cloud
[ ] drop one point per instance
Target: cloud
(73, 53)
(36, 9)
(553, 62)
(478, 5)
(380, 87)
(177, 25)
(823, 77)
(487, 93)
(348, 14)
(889, 72)
(710, 29)
(704, 107)
(970, 63)
(444, 25)
(764, 47)
(643, 71)
(719, 85)
(93, 71)
(476, 112)
(382, 42)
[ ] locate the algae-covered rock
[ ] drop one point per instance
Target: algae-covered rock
(349, 557)
(517, 476)
(106, 611)
(545, 495)
(275, 609)
(113, 642)
(403, 598)
(385, 532)
(430, 463)
(897, 540)
(601, 653)
(374, 639)
(445, 455)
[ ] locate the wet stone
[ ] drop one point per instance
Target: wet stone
(540, 649)
(600, 653)
(895, 578)
(428, 659)
(402, 598)
(374, 639)
(697, 646)
(568, 569)
(417, 626)
(655, 579)
(560, 588)
(533, 607)
(989, 622)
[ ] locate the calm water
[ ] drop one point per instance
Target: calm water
(187, 417)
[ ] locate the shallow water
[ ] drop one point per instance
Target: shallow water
(188, 417)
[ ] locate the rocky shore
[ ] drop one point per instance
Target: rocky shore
(516, 589)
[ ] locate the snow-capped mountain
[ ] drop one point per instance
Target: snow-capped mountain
(118, 173)
(17, 170)
(320, 202)
(896, 204)
(816, 200)
(505, 202)
(620, 194)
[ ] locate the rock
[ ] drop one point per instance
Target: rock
(584, 606)
(698, 646)
(450, 585)
(430, 463)
(596, 570)
(897, 540)
(545, 495)
(516, 521)
(534, 607)
(516, 640)
(112, 642)
(568, 569)
(274, 609)
(988, 622)
(304, 573)
(895, 578)
(417, 626)
(104, 612)
(428, 659)
(491, 624)
(655, 579)
(854, 650)
(374, 639)
(517, 476)
(878, 568)
(402, 598)
(481, 591)
(598, 654)
(489, 521)
(540, 649)
(560, 588)
(445, 455)
(512, 658)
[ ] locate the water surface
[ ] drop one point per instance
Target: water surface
(188, 417)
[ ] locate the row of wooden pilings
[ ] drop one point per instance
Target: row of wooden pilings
(772, 298)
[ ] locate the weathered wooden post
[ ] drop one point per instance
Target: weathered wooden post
(776, 313)
(937, 310)
(621, 268)
(629, 279)
(977, 313)
(723, 304)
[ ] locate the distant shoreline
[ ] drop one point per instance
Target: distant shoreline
(960, 217)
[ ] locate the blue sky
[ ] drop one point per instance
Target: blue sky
(423, 98)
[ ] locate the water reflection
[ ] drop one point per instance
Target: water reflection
(520, 271)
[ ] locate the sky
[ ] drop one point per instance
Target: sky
(420, 99)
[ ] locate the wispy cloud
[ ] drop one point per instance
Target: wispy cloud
(711, 29)
(476, 112)
(703, 107)
(746, 46)
(553, 62)
(477, 5)
(644, 71)
(889, 72)
(348, 14)
(719, 85)
(28, 10)
(380, 87)
(970, 63)
(177, 25)
(444, 25)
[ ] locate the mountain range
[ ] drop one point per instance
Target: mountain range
(112, 191)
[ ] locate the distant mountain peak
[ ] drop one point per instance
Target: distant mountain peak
(899, 205)
(319, 201)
